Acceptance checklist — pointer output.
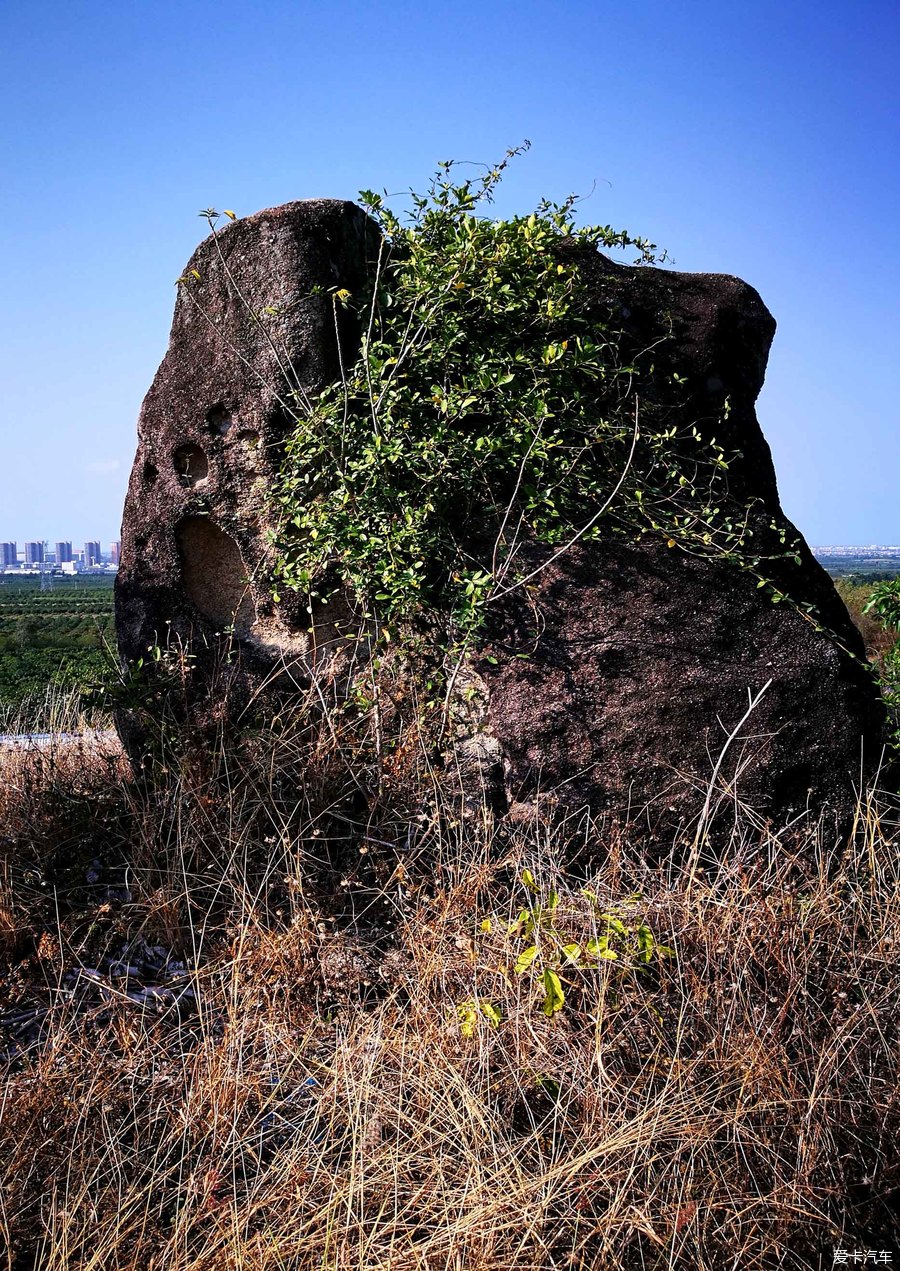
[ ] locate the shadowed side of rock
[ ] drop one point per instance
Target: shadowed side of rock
(617, 684)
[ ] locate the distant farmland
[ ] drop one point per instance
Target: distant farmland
(869, 563)
(61, 638)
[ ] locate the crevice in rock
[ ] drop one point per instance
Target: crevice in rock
(214, 574)
(191, 464)
(219, 419)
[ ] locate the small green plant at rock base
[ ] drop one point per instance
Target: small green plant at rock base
(890, 691)
(469, 1013)
(490, 404)
(543, 952)
(549, 952)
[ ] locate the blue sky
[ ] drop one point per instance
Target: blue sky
(759, 139)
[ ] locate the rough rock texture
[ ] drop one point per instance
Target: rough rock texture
(635, 661)
(638, 664)
(615, 680)
(194, 548)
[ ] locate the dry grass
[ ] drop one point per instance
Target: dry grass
(232, 1036)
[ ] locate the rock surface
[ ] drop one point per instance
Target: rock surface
(614, 681)
(620, 682)
(194, 546)
(620, 679)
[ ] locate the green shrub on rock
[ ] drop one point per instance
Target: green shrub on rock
(488, 405)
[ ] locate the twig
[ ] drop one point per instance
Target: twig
(504, 591)
(704, 815)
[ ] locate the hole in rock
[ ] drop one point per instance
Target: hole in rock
(219, 419)
(151, 472)
(191, 464)
(214, 574)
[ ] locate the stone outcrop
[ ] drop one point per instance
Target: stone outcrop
(613, 682)
(254, 331)
(619, 685)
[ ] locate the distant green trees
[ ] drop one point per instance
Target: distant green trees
(29, 673)
(60, 640)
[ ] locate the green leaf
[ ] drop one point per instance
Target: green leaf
(468, 1018)
(525, 959)
(646, 943)
(554, 997)
(517, 922)
(491, 1013)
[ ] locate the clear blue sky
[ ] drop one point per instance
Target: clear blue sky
(755, 138)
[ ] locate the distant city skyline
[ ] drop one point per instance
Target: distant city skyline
(107, 544)
(49, 541)
(111, 547)
(59, 551)
(52, 540)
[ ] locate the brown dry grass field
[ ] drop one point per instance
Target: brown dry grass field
(240, 1028)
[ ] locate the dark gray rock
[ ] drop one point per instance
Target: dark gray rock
(635, 661)
(618, 685)
(638, 659)
(195, 553)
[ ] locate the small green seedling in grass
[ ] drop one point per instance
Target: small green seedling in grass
(548, 952)
(471, 1012)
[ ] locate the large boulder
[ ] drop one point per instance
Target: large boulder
(615, 679)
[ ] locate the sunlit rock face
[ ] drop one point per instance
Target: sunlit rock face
(615, 680)
(195, 561)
